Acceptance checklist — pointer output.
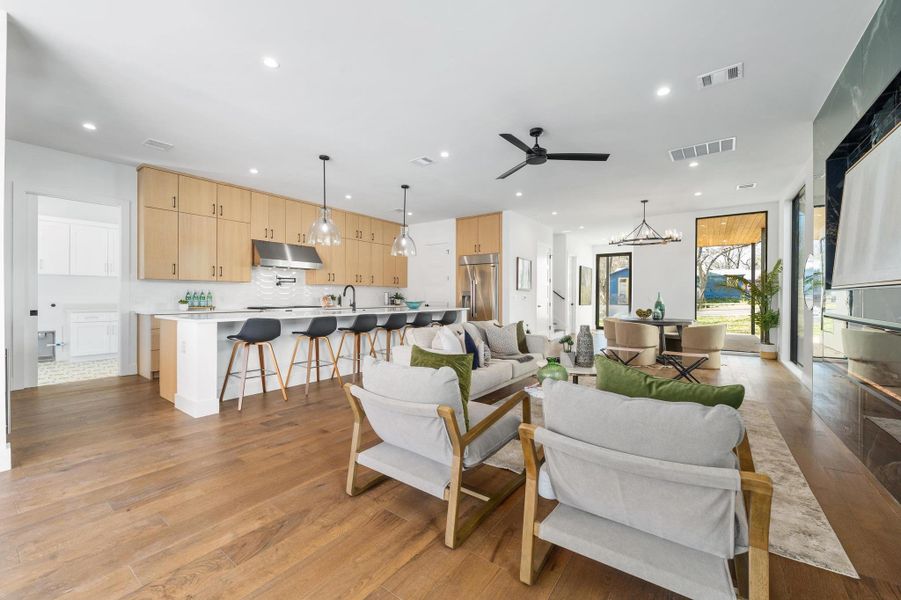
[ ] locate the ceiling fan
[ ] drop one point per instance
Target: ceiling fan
(536, 155)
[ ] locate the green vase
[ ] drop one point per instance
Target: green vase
(659, 305)
(552, 370)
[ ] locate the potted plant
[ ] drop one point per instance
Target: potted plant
(397, 299)
(183, 304)
(567, 341)
(760, 293)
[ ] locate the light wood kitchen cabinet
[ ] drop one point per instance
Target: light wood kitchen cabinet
(197, 247)
(359, 227)
(479, 235)
(233, 203)
(352, 260)
(334, 258)
(395, 270)
(377, 264)
(299, 216)
(378, 231)
(157, 189)
(158, 244)
(233, 251)
(267, 217)
(197, 196)
(389, 232)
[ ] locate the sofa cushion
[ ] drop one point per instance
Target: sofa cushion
(615, 377)
(502, 340)
(489, 377)
(448, 341)
(471, 347)
(683, 432)
(521, 369)
(414, 384)
(461, 365)
(477, 333)
(423, 337)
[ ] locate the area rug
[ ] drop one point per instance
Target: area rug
(799, 529)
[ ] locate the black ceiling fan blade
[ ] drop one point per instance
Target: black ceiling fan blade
(577, 156)
(517, 142)
(513, 170)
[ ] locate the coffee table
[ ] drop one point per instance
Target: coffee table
(566, 359)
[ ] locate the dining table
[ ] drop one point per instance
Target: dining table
(661, 324)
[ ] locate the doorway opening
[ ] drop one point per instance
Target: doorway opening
(614, 286)
(78, 290)
(728, 246)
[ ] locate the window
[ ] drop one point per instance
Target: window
(614, 286)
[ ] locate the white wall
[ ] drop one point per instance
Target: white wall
(431, 274)
(667, 269)
(5, 454)
(521, 238)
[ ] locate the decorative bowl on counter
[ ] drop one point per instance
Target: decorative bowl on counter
(413, 305)
(643, 313)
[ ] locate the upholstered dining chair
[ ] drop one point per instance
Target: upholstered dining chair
(649, 487)
(644, 339)
(425, 443)
(705, 339)
(610, 331)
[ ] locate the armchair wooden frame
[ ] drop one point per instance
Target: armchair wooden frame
(752, 570)
(456, 532)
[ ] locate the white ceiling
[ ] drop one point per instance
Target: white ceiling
(375, 84)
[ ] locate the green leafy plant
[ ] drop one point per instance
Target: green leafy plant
(567, 340)
(398, 296)
(182, 301)
(760, 293)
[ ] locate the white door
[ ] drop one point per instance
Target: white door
(112, 252)
(543, 288)
(89, 248)
(53, 247)
(572, 292)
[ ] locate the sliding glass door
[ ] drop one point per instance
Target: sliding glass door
(614, 286)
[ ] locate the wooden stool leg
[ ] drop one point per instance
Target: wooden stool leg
(278, 372)
(316, 341)
(356, 355)
(340, 346)
(388, 337)
(228, 371)
(293, 358)
(262, 368)
(372, 344)
(331, 352)
(244, 374)
(309, 365)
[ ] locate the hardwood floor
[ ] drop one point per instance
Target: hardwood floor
(115, 494)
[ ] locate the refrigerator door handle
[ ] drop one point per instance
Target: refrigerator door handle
(474, 294)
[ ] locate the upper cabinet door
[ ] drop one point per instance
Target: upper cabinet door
(294, 222)
(89, 248)
(277, 219)
(400, 270)
(389, 232)
(259, 216)
(377, 265)
(234, 203)
(197, 197)
(364, 262)
(53, 247)
(352, 260)
(197, 247)
(377, 228)
(352, 222)
(489, 234)
(308, 214)
(467, 236)
(233, 251)
(365, 225)
(158, 244)
(157, 189)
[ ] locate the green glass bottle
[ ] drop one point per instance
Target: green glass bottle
(659, 305)
(552, 370)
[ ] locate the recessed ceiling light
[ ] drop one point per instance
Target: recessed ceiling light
(554, 213)
(581, 227)
(693, 164)
(445, 154)
(89, 126)
(270, 62)
(347, 196)
(698, 193)
(518, 194)
(663, 91)
(254, 170)
(410, 213)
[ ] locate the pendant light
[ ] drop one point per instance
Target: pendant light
(403, 244)
(323, 231)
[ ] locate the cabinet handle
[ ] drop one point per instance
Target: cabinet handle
(220, 270)
(214, 270)
(174, 200)
(173, 268)
(220, 210)
(214, 208)
(298, 237)
(304, 238)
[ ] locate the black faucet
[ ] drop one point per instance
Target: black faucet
(353, 302)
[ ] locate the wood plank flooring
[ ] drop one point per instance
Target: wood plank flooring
(115, 494)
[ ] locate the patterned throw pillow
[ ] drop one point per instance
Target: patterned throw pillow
(460, 363)
(502, 340)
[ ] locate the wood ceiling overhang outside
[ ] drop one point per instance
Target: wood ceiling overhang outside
(731, 230)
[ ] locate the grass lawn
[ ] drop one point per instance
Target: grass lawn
(734, 324)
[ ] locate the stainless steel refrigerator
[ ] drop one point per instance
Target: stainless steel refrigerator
(477, 280)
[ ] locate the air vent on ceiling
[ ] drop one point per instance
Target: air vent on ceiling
(422, 161)
(698, 150)
(746, 186)
(158, 145)
(724, 75)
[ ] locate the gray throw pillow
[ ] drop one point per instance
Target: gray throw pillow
(502, 340)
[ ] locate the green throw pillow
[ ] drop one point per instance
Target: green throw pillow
(521, 338)
(460, 363)
(626, 381)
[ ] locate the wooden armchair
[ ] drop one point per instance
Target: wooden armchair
(421, 426)
(674, 524)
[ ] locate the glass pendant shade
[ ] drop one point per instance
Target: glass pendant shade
(323, 231)
(403, 244)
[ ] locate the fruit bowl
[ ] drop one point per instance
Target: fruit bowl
(643, 313)
(413, 304)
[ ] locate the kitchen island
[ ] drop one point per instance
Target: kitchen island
(194, 350)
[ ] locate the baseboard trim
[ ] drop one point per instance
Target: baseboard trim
(6, 457)
(194, 408)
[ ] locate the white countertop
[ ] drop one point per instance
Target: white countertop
(294, 313)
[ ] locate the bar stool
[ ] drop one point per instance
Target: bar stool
(422, 319)
(318, 330)
(449, 318)
(362, 325)
(395, 323)
(259, 333)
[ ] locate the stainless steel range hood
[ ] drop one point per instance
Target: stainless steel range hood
(285, 256)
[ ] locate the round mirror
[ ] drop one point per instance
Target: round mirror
(813, 282)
